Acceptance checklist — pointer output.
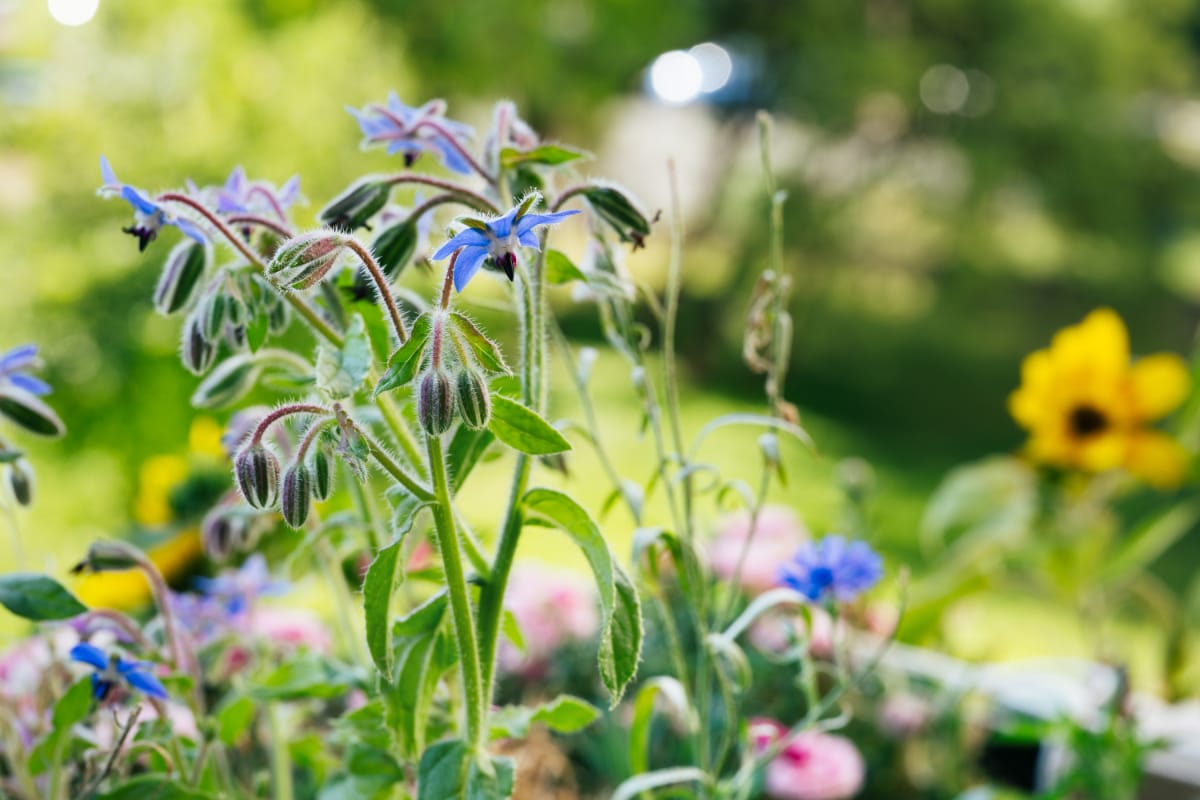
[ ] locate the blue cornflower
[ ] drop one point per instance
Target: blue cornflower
(148, 216)
(237, 589)
(113, 671)
(13, 367)
(497, 241)
(240, 195)
(832, 569)
(413, 131)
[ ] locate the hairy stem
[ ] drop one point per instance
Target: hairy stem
(381, 287)
(478, 201)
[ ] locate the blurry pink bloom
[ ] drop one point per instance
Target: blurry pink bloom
(776, 633)
(290, 628)
(552, 607)
(813, 766)
(904, 714)
(777, 535)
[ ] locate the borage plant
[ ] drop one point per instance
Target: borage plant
(398, 399)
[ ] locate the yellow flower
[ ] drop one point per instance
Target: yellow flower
(158, 476)
(1088, 407)
(204, 438)
(127, 590)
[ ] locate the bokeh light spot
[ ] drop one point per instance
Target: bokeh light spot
(73, 12)
(715, 65)
(676, 77)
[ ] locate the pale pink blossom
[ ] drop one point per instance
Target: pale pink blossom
(813, 765)
(289, 628)
(778, 632)
(552, 607)
(904, 714)
(777, 535)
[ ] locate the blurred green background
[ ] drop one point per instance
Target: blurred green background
(964, 179)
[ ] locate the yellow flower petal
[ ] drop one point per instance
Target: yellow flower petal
(1095, 349)
(1103, 452)
(1157, 459)
(1158, 384)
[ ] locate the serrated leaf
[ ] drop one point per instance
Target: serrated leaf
(38, 597)
(486, 351)
(559, 269)
(405, 363)
(550, 155)
(30, 412)
(621, 632)
(524, 430)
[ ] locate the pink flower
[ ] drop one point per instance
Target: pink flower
(813, 766)
(778, 632)
(776, 536)
(290, 628)
(552, 607)
(904, 714)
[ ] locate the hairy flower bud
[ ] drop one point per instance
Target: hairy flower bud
(213, 310)
(219, 535)
(278, 315)
(395, 246)
(180, 276)
(20, 480)
(295, 495)
(353, 208)
(435, 402)
(302, 261)
(257, 473)
(196, 349)
(474, 402)
(322, 473)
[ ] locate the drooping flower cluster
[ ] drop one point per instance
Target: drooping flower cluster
(1087, 406)
(413, 131)
(148, 217)
(241, 195)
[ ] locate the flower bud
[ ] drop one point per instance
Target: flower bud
(302, 261)
(235, 336)
(435, 402)
(213, 310)
(196, 351)
(295, 495)
(278, 315)
(322, 473)
(180, 276)
(20, 480)
(219, 535)
(474, 402)
(395, 246)
(106, 556)
(353, 208)
(257, 473)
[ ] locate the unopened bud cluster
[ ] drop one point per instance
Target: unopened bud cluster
(445, 390)
(264, 485)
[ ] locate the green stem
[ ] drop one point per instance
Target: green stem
(281, 761)
(460, 600)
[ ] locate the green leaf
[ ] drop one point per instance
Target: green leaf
(381, 579)
(524, 430)
(38, 597)
(303, 677)
(549, 154)
(257, 329)
(424, 618)
(69, 710)
(618, 209)
(467, 447)
(486, 351)
(449, 772)
(559, 269)
(233, 719)
(30, 412)
(155, 787)
(340, 372)
(672, 776)
(564, 714)
(621, 632)
(405, 363)
(512, 630)
(664, 689)
(74, 706)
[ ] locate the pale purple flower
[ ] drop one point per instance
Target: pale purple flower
(496, 241)
(413, 131)
(240, 195)
(14, 368)
(238, 589)
(832, 569)
(148, 216)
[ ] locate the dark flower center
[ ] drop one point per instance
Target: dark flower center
(1086, 421)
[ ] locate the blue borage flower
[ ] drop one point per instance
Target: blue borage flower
(13, 367)
(148, 216)
(237, 589)
(496, 240)
(240, 195)
(113, 671)
(413, 131)
(832, 569)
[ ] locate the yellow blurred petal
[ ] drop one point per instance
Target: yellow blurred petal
(126, 590)
(1096, 348)
(204, 438)
(1158, 384)
(1103, 452)
(1157, 459)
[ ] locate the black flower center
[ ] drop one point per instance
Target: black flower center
(1087, 421)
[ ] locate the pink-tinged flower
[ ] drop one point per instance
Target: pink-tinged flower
(552, 607)
(813, 766)
(290, 628)
(777, 535)
(779, 632)
(904, 714)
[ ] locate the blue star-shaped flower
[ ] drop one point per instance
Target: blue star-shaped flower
(496, 241)
(13, 367)
(833, 569)
(240, 195)
(413, 131)
(237, 589)
(113, 671)
(148, 216)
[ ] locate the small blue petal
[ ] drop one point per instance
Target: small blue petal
(146, 683)
(531, 221)
(236, 181)
(189, 228)
(290, 192)
(138, 200)
(100, 687)
(470, 237)
(30, 384)
(106, 173)
(451, 156)
(19, 357)
(404, 146)
(501, 227)
(89, 654)
(529, 239)
(467, 265)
